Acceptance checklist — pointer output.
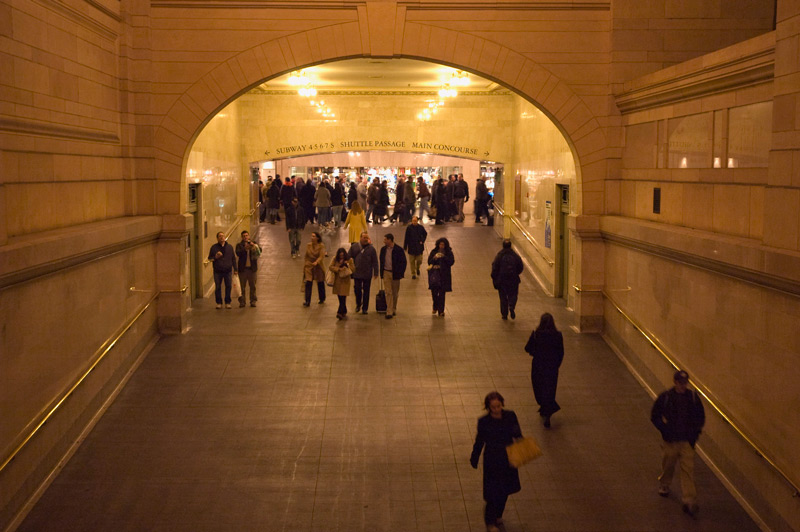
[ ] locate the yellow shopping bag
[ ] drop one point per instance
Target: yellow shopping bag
(523, 451)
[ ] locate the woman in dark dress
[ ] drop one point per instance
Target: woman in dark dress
(440, 282)
(496, 431)
(382, 205)
(352, 195)
(546, 346)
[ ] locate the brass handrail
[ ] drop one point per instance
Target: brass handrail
(525, 233)
(657, 346)
(99, 355)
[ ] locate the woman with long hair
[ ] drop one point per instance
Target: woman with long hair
(312, 268)
(440, 280)
(355, 222)
(343, 267)
(496, 430)
(546, 346)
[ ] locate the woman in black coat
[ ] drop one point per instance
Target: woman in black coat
(382, 205)
(440, 280)
(306, 198)
(352, 195)
(496, 431)
(546, 346)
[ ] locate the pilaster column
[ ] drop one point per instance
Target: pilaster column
(588, 257)
(171, 273)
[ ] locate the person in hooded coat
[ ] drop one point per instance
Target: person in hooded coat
(546, 346)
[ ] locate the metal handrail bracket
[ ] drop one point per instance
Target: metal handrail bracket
(651, 339)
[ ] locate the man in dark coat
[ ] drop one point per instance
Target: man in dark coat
(224, 264)
(295, 223)
(393, 268)
(461, 195)
(306, 197)
(365, 260)
(679, 415)
(481, 200)
(414, 244)
(506, 269)
(287, 194)
(546, 347)
(273, 201)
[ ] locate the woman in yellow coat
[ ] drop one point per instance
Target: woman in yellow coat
(356, 222)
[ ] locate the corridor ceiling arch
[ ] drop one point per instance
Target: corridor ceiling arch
(201, 102)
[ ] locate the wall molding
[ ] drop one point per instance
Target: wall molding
(87, 22)
(737, 73)
(323, 92)
(506, 6)
(739, 272)
(51, 129)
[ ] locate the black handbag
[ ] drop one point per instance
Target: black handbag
(435, 277)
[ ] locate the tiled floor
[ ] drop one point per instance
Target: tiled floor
(281, 418)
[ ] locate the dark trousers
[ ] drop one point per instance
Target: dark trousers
(247, 276)
(342, 305)
(508, 299)
(438, 299)
(361, 288)
(494, 509)
(218, 278)
(320, 290)
(481, 209)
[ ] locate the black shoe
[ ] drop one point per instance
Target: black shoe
(413, 276)
(505, 317)
(513, 314)
(364, 312)
(389, 316)
(441, 314)
(358, 309)
(321, 301)
(338, 316)
(547, 422)
(691, 509)
(306, 304)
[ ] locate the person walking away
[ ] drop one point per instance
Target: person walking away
(262, 202)
(337, 202)
(440, 200)
(481, 200)
(679, 415)
(410, 198)
(382, 205)
(224, 262)
(365, 260)
(352, 195)
(372, 199)
(306, 196)
(496, 430)
(399, 204)
(342, 266)
(424, 198)
(322, 199)
(356, 223)
(506, 269)
(546, 346)
(274, 201)
(449, 190)
(393, 268)
(247, 253)
(461, 196)
(361, 189)
(295, 223)
(440, 280)
(312, 268)
(414, 244)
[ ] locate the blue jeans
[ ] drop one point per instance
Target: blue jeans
(218, 278)
(337, 214)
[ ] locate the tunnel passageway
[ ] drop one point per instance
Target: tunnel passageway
(280, 417)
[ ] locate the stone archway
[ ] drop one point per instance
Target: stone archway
(377, 34)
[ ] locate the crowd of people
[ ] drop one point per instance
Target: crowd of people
(677, 413)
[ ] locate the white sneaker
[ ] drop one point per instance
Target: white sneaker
(227, 305)
(219, 305)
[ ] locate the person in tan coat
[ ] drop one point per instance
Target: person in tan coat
(313, 270)
(342, 267)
